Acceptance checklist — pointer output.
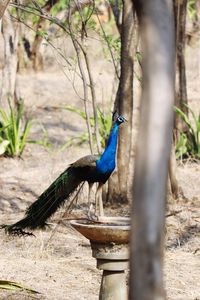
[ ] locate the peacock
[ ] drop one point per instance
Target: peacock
(90, 168)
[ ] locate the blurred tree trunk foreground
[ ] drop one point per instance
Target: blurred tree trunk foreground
(153, 151)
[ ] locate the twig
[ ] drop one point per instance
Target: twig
(173, 213)
(196, 250)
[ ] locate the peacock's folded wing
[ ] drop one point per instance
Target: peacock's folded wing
(86, 161)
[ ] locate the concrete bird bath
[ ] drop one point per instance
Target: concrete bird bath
(109, 238)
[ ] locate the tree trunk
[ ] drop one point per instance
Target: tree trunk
(153, 151)
(10, 35)
(118, 186)
(36, 56)
(180, 11)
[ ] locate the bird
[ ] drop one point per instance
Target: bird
(91, 168)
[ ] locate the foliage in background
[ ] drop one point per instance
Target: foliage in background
(189, 142)
(13, 132)
(113, 43)
(104, 126)
(191, 8)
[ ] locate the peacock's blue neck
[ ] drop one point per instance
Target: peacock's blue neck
(106, 163)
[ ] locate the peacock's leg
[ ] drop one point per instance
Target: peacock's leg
(98, 200)
(89, 193)
(90, 213)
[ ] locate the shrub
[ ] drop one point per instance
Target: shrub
(13, 131)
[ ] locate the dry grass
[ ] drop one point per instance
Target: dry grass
(61, 266)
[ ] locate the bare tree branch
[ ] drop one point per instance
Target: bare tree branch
(94, 100)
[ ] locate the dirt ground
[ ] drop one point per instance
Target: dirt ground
(57, 262)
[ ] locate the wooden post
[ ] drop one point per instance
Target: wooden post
(156, 24)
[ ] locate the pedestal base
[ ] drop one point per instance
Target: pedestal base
(113, 260)
(113, 286)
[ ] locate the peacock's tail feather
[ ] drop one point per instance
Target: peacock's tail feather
(48, 202)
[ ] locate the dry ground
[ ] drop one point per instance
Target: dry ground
(60, 266)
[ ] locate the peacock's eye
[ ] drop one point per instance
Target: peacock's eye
(120, 119)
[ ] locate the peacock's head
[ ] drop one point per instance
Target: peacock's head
(120, 120)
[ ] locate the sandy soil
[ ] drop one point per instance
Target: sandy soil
(58, 263)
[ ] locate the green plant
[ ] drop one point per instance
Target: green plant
(191, 8)
(189, 142)
(13, 133)
(181, 146)
(104, 125)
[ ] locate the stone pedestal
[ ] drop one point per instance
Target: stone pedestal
(113, 260)
(109, 240)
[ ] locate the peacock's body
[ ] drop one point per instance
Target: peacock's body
(90, 168)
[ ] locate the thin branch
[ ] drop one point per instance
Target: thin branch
(94, 101)
(109, 48)
(41, 14)
(78, 46)
(56, 49)
(85, 89)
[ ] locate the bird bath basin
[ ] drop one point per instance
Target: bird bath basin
(109, 238)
